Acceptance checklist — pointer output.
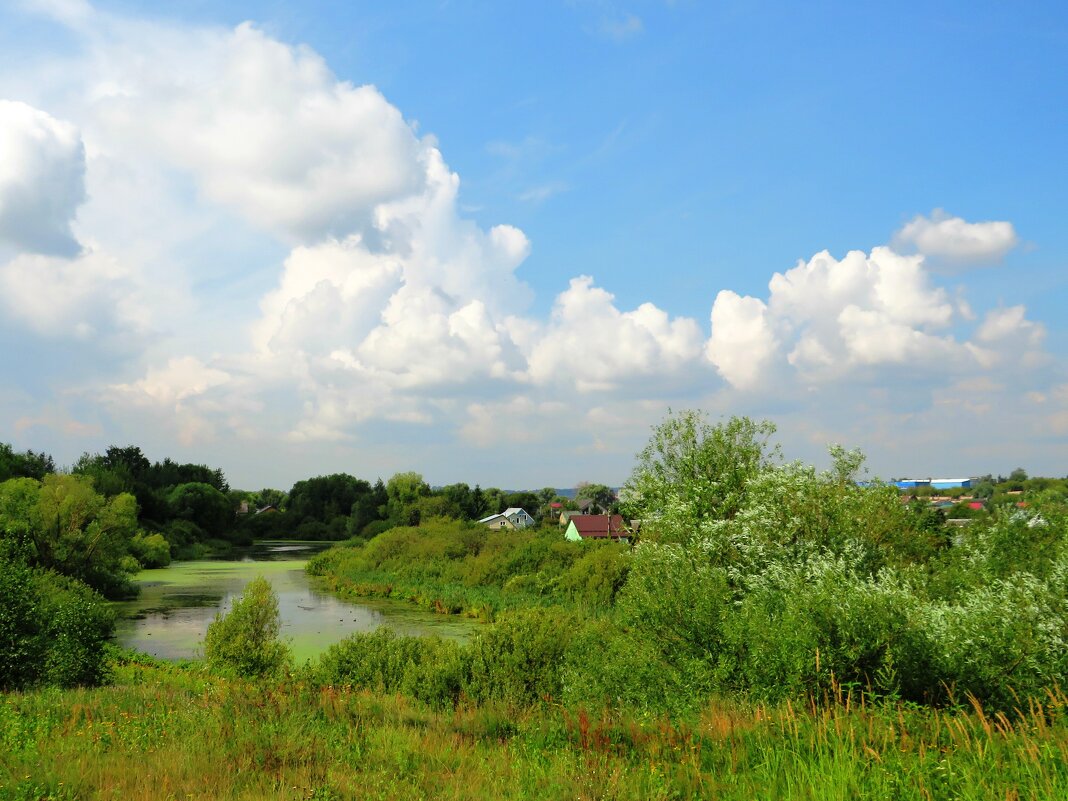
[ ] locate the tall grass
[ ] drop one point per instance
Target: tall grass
(169, 733)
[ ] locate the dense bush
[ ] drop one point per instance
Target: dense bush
(786, 582)
(53, 629)
(150, 550)
(429, 669)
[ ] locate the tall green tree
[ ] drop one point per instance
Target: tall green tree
(692, 471)
(203, 505)
(62, 524)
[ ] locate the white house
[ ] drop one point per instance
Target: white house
(512, 518)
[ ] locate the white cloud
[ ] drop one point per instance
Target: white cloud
(593, 345)
(265, 127)
(742, 342)
(831, 317)
(1010, 323)
(181, 379)
(955, 239)
(84, 298)
(42, 180)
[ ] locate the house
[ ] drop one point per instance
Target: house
(596, 527)
(566, 515)
(513, 518)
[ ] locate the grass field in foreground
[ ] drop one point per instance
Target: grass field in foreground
(172, 733)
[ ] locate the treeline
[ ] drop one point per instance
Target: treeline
(341, 506)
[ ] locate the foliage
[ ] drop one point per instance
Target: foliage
(24, 465)
(150, 550)
(804, 582)
(432, 670)
(61, 524)
(601, 495)
(202, 505)
(53, 629)
(244, 642)
(455, 566)
(692, 471)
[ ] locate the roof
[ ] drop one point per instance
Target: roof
(599, 526)
(487, 519)
(511, 510)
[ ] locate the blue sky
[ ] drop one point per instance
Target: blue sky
(545, 224)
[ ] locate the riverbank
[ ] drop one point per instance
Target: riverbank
(457, 568)
(170, 732)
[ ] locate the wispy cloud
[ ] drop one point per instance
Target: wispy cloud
(542, 192)
(620, 26)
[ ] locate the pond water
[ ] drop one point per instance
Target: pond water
(170, 618)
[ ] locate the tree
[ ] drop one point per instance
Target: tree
(692, 471)
(24, 465)
(61, 524)
(324, 498)
(53, 630)
(403, 491)
(203, 505)
(599, 494)
(245, 641)
(1017, 475)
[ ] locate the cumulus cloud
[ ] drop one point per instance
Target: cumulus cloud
(954, 239)
(827, 317)
(264, 127)
(42, 180)
(592, 343)
(742, 341)
(181, 379)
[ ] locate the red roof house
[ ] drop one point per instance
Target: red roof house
(596, 527)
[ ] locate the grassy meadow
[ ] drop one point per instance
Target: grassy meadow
(162, 732)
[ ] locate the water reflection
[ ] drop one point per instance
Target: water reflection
(177, 603)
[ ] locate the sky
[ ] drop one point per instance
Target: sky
(496, 242)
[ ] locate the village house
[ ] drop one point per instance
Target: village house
(512, 518)
(597, 527)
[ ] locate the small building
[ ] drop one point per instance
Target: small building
(513, 518)
(935, 483)
(566, 515)
(596, 527)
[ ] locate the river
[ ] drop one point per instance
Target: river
(177, 603)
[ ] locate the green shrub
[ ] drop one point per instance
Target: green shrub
(78, 625)
(150, 550)
(244, 642)
(21, 644)
(606, 667)
(53, 629)
(518, 661)
(429, 669)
